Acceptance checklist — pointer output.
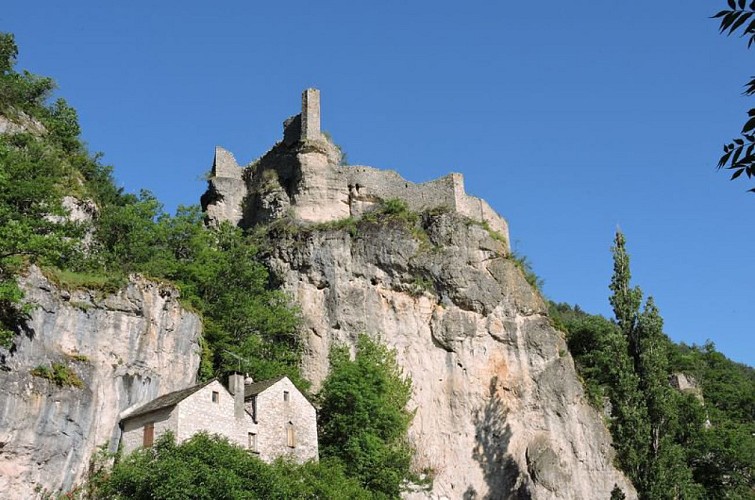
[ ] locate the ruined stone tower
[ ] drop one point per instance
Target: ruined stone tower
(310, 115)
(302, 176)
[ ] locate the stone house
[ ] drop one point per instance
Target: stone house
(271, 418)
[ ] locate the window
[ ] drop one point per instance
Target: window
(285, 395)
(149, 435)
(215, 396)
(253, 442)
(290, 435)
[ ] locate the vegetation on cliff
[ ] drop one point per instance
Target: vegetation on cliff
(218, 271)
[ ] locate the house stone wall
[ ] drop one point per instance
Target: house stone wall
(165, 419)
(198, 413)
(273, 416)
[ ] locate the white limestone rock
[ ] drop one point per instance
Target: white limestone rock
(127, 348)
(500, 412)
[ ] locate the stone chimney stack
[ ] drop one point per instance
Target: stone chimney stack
(236, 387)
(310, 115)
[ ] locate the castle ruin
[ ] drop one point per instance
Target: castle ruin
(302, 176)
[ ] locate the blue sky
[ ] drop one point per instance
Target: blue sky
(570, 118)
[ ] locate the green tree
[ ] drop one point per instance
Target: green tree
(208, 467)
(739, 154)
(652, 457)
(363, 416)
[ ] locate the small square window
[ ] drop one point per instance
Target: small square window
(215, 396)
(253, 442)
(285, 395)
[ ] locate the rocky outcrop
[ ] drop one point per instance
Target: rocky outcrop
(124, 348)
(500, 412)
(16, 122)
(303, 176)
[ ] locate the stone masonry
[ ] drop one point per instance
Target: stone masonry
(283, 413)
(270, 418)
(302, 177)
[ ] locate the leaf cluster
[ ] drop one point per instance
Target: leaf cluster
(667, 442)
(60, 374)
(738, 154)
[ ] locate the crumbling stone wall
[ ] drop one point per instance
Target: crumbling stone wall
(302, 177)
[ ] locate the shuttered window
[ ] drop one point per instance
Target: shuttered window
(290, 435)
(149, 434)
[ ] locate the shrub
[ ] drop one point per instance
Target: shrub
(60, 374)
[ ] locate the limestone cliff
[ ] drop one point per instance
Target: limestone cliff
(126, 348)
(500, 411)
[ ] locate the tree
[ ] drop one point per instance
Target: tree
(209, 467)
(739, 154)
(655, 461)
(363, 416)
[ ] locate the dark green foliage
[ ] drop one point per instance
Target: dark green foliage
(617, 494)
(667, 442)
(738, 155)
(363, 417)
(206, 467)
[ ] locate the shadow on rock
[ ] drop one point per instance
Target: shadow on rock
(493, 434)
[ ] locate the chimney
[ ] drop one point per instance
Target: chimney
(236, 387)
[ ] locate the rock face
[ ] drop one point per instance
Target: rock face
(127, 348)
(500, 412)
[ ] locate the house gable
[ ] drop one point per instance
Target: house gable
(286, 420)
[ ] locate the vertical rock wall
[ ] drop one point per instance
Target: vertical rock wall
(500, 412)
(127, 348)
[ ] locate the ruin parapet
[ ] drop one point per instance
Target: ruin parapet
(301, 176)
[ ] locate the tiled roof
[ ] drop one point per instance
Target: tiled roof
(170, 399)
(257, 387)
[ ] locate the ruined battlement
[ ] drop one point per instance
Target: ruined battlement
(302, 176)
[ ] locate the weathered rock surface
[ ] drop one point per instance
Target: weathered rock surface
(500, 412)
(302, 175)
(127, 348)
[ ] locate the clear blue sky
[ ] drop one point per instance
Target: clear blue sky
(570, 118)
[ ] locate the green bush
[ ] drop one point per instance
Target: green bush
(60, 374)
(209, 467)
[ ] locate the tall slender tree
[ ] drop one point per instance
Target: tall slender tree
(646, 405)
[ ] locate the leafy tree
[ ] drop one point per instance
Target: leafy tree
(363, 416)
(738, 155)
(656, 463)
(207, 467)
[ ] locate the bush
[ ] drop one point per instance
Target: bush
(60, 374)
